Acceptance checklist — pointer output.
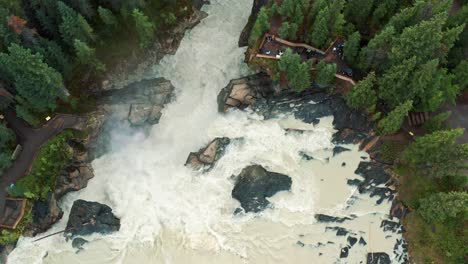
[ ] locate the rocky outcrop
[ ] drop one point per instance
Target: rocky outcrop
(244, 37)
(206, 157)
(45, 214)
(254, 184)
(4, 252)
(330, 219)
(378, 258)
(244, 92)
(79, 242)
(135, 68)
(198, 4)
(91, 217)
(144, 100)
(376, 181)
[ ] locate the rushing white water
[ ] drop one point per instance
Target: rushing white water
(171, 214)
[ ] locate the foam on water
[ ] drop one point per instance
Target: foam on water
(171, 214)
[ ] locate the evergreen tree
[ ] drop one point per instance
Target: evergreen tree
(73, 26)
(375, 55)
(325, 73)
(107, 17)
(298, 73)
(83, 7)
(48, 15)
(436, 122)
(144, 27)
(363, 94)
(320, 34)
(87, 55)
(262, 25)
(461, 75)
(358, 12)
(288, 31)
(383, 11)
(351, 49)
(34, 80)
(440, 207)
(6, 138)
(393, 121)
(438, 154)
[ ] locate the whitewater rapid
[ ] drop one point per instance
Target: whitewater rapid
(171, 214)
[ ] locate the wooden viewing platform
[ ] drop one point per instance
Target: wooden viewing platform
(278, 44)
(14, 212)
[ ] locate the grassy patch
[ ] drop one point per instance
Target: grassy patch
(391, 150)
(51, 159)
(8, 237)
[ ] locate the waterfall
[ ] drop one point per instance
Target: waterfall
(171, 214)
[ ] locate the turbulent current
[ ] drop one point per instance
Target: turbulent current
(172, 214)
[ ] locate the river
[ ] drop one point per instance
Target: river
(171, 214)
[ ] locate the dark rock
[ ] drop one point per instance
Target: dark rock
(351, 240)
(5, 250)
(244, 92)
(300, 243)
(338, 149)
(254, 184)
(305, 156)
(45, 214)
(73, 178)
(206, 157)
(330, 219)
(198, 4)
(340, 231)
(91, 217)
(378, 258)
(362, 241)
(343, 164)
(344, 252)
(79, 242)
(398, 209)
(391, 226)
(353, 182)
(374, 174)
(245, 35)
(348, 136)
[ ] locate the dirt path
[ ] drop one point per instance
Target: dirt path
(31, 140)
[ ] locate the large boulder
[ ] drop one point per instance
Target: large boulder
(244, 92)
(245, 35)
(255, 184)
(144, 100)
(75, 177)
(91, 217)
(376, 182)
(378, 258)
(206, 157)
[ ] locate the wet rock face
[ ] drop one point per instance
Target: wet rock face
(145, 100)
(91, 217)
(206, 157)
(75, 177)
(330, 219)
(378, 258)
(244, 37)
(45, 214)
(374, 174)
(244, 92)
(254, 184)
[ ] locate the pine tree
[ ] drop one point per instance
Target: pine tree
(288, 31)
(48, 15)
(383, 11)
(87, 55)
(144, 27)
(73, 26)
(83, 7)
(438, 154)
(351, 49)
(336, 18)
(358, 12)
(375, 55)
(262, 25)
(393, 121)
(320, 34)
(325, 73)
(298, 73)
(34, 80)
(363, 94)
(107, 17)
(461, 75)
